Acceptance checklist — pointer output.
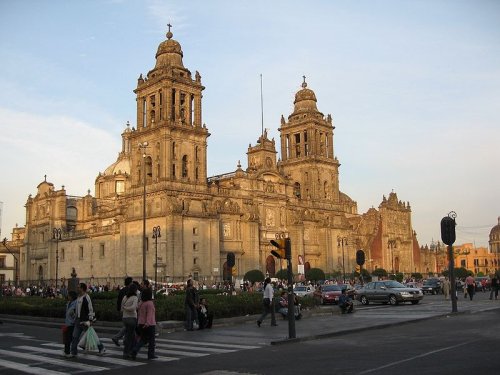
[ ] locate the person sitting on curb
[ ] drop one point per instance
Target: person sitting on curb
(345, 303)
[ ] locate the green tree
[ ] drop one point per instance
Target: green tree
(417, 276)
(315, 274)
(254, 276)
(399, 276)
(379, 272)
(282, 274)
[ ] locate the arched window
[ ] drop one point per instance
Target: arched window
(148, 164)
(184, 166)
(296, 190)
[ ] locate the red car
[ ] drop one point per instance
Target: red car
(330, 294)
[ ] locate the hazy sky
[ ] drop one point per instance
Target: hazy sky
(413, 88)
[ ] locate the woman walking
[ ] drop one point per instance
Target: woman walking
(129, 311)
(146, 320)
(267, 303)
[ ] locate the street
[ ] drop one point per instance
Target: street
(375, 339)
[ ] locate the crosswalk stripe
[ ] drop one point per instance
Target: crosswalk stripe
(86, 355)
(28, 369)
(120, 352)
(178, 352)
(195, 349)
(53, 361)
(200, 343)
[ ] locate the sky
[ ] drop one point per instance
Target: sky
(413, 88)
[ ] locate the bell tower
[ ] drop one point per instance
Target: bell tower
(169, 121)
(307, 155)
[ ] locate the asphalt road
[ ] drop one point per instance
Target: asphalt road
(376, 339)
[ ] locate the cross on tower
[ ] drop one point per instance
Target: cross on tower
(169, 26)
(304, 84)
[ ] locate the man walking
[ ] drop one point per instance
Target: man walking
(190, 305)
(494, 286)
(470, 284)
(123, 292)
(84, 316)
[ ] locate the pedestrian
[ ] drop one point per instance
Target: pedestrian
(146, 321)
(84, 316)
(345, 302)
(267, 303)
(129, 311)
(205, 316)
(494, 286)
(69, 322)
(283, 304)
(123, 291)
(470, 284)
(446, 288)
(190, 306)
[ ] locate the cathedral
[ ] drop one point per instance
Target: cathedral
(155, 212)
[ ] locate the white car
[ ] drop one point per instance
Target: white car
(304, 290)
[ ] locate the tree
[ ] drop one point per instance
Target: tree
(417, 276)
(379, 272)
(315, 274)
(254, 276)
(282, 274)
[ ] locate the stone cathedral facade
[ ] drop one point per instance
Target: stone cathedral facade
(289, 186)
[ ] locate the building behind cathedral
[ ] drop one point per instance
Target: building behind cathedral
(288, 186)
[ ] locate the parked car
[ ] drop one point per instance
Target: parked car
(304, 290)
(388, 291)
(330, 293)
(432, 286)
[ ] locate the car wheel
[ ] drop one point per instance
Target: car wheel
(415, 302)
(392, 300)
(364, 300)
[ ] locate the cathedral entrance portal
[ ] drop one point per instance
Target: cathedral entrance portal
(270, 266)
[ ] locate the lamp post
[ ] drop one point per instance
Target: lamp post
(391, 245)
(57, 235)
(156, 234)
(342, 241)
(16, 262)
(143, 147)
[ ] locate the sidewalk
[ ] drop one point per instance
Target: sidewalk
(318, 323)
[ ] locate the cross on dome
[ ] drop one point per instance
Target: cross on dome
(169, 33)
(304, 84)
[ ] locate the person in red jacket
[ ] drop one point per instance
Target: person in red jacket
(146, 321)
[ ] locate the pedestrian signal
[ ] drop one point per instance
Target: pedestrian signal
(360, 257)
(448, 230)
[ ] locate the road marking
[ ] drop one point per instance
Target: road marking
(29, 369)
(53, 361)
(201, 343)
(86, 355)
(195, 349)
(415, 357)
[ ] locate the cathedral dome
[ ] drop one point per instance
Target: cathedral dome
(305, 100)
(169, 52)
(495, 231)
(121, 166)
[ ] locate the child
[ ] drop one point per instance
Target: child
(69, 322)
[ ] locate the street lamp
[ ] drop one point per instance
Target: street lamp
(57, 235)
(156, 234)
(342, 241)
(143, 147)
(391, 245)
(16, 262)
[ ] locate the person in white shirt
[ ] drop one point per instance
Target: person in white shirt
(268, 303)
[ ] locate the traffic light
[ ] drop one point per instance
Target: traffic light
(360, 257)
(448, 230)
(280, 245)
(284, 248)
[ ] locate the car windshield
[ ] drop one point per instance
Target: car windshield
(393, 284)
(330, 288)
(430, 282)
(300, 288)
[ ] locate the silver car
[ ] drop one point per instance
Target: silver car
(388, 291)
